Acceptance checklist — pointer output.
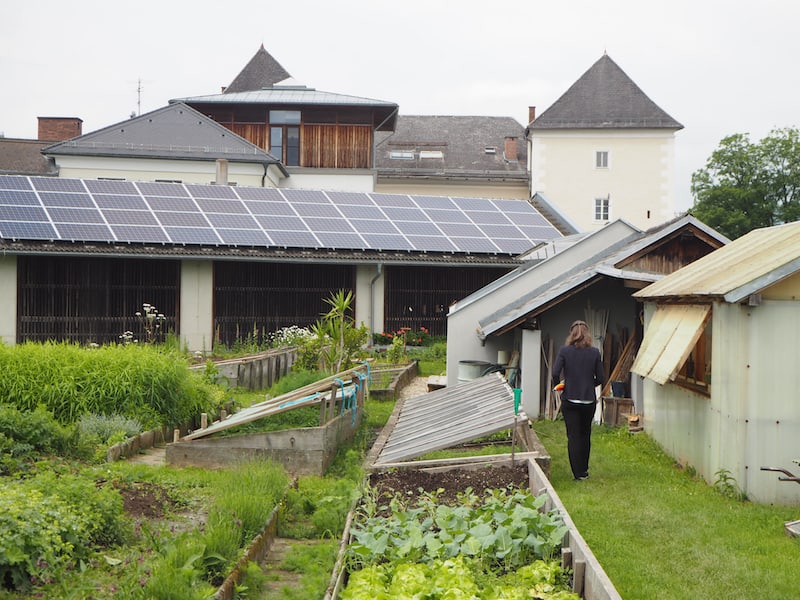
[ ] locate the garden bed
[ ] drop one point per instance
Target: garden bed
(447, 479)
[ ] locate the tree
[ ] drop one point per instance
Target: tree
(747, 185)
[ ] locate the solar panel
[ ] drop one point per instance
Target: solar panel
(157, 188)
(192, 235)
(18, 197)
(22, 213)
(181, 219)
(172, 204)
(56, 184)
(84, 231)
(62, 199)
(21, 230)
(75, 215)
(111, 186)
(163, 213)
(13, 182)
(130, 217)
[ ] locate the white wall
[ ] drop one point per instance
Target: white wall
(144, 169)
(510, 190)
(197, 305)
(337, 180)
(639, 178)
(369, 294)
(8, 299)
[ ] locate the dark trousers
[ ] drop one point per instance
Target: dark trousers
(578, 419)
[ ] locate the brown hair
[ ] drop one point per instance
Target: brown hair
(579, 335)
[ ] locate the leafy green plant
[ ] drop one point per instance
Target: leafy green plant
(396, 352)
(726, 485)
(105, 427)
(503, 530)
(316, 507)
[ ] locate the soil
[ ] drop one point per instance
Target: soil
(409, 482)
(147, 500)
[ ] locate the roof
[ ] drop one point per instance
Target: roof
(732, 273)
(604, 98)
(580, 271)
(300, 96)
(470, 147)
(118, 212)
(262, 71)
(175, 131)
(24, 157)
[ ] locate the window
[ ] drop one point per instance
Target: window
(601, 159)
(284, 136)
(401, 154)
(431, 154)
(490, 150)
(602, 208)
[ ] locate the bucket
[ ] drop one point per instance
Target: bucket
(471, 369)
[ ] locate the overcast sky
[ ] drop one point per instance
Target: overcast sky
(718, 67)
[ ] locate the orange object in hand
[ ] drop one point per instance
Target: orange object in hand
(559, 387)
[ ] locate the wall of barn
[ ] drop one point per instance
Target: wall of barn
(8, 299)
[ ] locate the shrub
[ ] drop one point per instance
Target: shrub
(105, 427)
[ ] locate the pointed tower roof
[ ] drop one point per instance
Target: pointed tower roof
(262, 71)
(604, 98)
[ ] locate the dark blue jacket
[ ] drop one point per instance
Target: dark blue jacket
(583, 370)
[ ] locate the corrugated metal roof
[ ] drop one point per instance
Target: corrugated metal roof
(450, 416)
(743, 267)
(671, 334)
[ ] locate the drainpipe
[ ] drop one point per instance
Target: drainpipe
(372, 296)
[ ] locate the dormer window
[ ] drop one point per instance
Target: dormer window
(401, 155)
(490, 150)
(431, 154)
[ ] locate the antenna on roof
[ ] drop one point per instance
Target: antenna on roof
(139, 97)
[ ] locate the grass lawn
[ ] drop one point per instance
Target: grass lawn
(661, 532)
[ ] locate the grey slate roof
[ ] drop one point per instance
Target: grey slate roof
(463, 141)
(175, 131)
(262, 71)
(604, 98)
(24, 157)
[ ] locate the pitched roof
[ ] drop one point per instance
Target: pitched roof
(576, 270)
(174, 131)
(24, 157)
(385, 113)
(470, 146)
(604, 98)
(262, 71)
(745, 266)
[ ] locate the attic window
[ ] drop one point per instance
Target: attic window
(431, 154)
(401, 155)
(490, 150)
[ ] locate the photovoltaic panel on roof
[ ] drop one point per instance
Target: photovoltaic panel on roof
(192, 214)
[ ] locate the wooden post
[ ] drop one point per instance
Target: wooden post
(176, 435)
(203, 420)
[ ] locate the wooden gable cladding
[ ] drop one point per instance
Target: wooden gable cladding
(671, 254)
(336, 146)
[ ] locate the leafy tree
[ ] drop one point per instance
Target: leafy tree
(747, 185)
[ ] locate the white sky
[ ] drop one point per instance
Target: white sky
(717, 66)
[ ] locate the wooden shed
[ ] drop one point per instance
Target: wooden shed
(719, 361)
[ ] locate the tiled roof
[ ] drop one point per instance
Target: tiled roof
(24, 157)
(261, 71)
(604, 98)
(174, 131)
(455, 146)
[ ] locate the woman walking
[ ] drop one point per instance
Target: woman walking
(582, 369)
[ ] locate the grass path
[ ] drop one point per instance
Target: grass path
(659, 532)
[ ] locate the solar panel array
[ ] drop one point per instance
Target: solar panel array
(115, 211)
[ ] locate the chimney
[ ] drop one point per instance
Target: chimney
(58, 129)
(531, 114)
(222, 172)
(510, 150)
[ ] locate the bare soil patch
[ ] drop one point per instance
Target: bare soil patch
(410, 482)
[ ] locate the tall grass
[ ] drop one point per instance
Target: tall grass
(660, 532)
(151, 385)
